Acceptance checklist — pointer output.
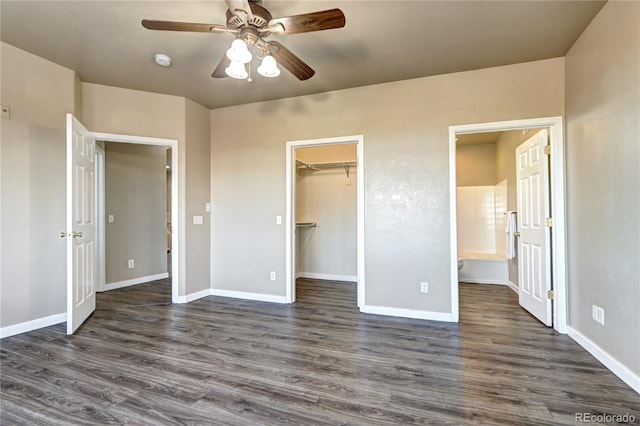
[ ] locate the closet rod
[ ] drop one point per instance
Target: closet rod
(328, 165)
(306, 224)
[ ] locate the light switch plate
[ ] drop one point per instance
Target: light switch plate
(110, 218)
(198, 220)
(207, 207)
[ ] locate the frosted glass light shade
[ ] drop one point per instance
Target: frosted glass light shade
(269, 67)
(239, 52)
(236, 70)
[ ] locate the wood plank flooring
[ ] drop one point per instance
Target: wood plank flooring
(141, 360)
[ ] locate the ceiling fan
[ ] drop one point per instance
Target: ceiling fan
(252, 24)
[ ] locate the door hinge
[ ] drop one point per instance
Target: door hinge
(549, 222)
(550, 294)
(547, 150)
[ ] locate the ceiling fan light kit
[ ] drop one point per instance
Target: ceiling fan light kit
(268, 67)
(252, 24)
(239, 52)
(237, 70)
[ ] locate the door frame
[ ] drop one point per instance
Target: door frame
(176, 255)
(290, 252)
(557, 195)
(100, 222)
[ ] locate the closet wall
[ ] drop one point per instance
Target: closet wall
(326, 197)
(136, 197)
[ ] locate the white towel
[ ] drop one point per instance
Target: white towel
(510, 230)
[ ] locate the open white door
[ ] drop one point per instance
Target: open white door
(81, 224)
(534, 265)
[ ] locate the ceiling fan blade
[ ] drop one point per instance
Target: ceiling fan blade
(308, 22)
(291, 62)
(240, 7)
(183, 26)
(219, 71)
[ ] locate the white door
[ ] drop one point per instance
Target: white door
(81, 224)
(534, 266)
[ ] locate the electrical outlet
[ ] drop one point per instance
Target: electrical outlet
(594, 312)
(424, 287)
(278, 220)
(131, 263)
(273, 275)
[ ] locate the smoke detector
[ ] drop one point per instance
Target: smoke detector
(162, 60)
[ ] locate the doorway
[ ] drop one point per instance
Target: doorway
(134, 214)
(172, 193)
(557, 234)
(81, 216)
(292, 230)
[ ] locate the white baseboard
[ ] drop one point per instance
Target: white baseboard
(513, 287)
(330, 277)
(249, 296)
(406, 313)
(35, 324)
(626, 375)
(192, 296)
(134, 281)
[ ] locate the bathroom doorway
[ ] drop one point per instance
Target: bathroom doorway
(484, 199)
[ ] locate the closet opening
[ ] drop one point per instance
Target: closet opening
(325, 213)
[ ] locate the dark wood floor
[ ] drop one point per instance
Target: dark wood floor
(141, 360)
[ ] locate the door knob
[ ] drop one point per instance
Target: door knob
(517, 234)
(73, 234)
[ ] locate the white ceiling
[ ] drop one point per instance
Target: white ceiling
(382, 41)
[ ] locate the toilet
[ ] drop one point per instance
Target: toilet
(460, 263)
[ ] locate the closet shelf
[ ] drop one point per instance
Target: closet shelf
(301, 165)
(306, 224)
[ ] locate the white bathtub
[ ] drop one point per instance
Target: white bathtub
(483, 268)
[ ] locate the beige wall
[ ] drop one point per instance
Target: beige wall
(476, 165)
(198, 193)
(32, 191)
(328, 153)
(603, 199)
(131, 112)
(135, 194)
(506, 163)
(405, 126)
